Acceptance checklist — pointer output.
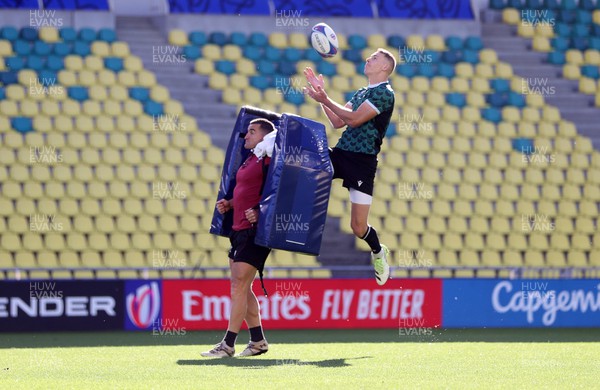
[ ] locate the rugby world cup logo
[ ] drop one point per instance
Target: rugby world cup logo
(143, 305)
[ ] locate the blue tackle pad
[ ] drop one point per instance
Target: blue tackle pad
(293, 207)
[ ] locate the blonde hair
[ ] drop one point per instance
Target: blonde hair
(389, 57)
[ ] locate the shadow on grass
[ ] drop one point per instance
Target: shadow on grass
(206, 338)
(254, 363)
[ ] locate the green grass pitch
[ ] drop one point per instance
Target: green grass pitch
(340, 359)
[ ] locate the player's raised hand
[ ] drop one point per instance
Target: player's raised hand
(317, 93)
(312, 79)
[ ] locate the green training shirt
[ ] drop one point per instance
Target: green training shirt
(367, 138)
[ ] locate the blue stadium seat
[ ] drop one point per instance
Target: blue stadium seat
(287, 68)
(22, 124)
(225, 67)
(191, 52)
(406, 70)
(583, 17)
(428, 70)
(113, 63)
(21, 47)
(10, 77)
(55, 63)
(451, 56)
(61, 49)
(516, 99)
(590, 71)
(533, 4)
(78, 93)
(153, 108)
(580, 31)
(360, 68)
(266, 68)
(446, 70)
(567, 16)
(293, 54)
(313, 56)
(9, 33)
(253, 53)
(594, 43)
(87, 34)
(139, 93)
(523, 145)
(294, 98)
(497, 99)
(326, 68)
(454, 43)
(568, 4)
(474, 43)
(497, 4)
(272, 53)
(15, 64)
(34, 62)
(396, 41)
(551, 4)
(471, 56)
(587, 5)
(238, 38)
(260, 82)
(2, 93)
(68, 34)
(556, 58)
(514, 4)
(353, 55)
(562, 30)
(580, 43)
(258, 39)
(107, 35)
(500, 85)
(218, 38)
(47, 78)
(560, 43)
(81, 48)
(456, 99)
(356, 41)
(197, 38)
(42, 48)
(29, 34)
(491, 114)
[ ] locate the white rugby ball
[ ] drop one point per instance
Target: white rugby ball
(324, 40)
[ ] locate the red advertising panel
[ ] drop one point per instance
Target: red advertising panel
(309, 303)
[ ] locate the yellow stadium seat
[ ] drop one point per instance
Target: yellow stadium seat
(488, 56)
(541, 43)
(511, 16)
(100, 48)
(573, 72)
(415, 42)
(133, 63)
(574, 57)
(94, 63)
(211, 52)
(526, 30)
(232, 52)
(178, 37)
(435, 42)
(298, 40)
(278, 40)
(460, 85)
(504, 70)
(5, 48)
(120, 49)
(484, 70)
(204, 66)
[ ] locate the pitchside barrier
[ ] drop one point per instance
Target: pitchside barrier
(180, 305)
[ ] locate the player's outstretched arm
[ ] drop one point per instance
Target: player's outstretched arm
(351, 118)
(313, 81)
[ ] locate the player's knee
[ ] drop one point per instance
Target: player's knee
(358, 228)
(238, 285)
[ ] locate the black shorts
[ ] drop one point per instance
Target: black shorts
(357, 170)
(243, 249)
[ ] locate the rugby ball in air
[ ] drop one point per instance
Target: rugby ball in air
(324, 40)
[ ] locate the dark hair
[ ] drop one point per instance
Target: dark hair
(265, 125)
